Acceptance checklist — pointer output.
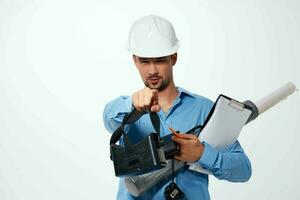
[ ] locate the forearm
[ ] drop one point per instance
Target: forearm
(232, 165)
(115, 111)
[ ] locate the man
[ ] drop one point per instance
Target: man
(153, 42)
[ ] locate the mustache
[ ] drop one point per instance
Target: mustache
(154, 77)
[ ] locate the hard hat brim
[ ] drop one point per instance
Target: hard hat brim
(156, 54)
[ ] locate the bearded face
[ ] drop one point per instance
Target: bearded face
(156, 73)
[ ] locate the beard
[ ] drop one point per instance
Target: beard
(160, 86)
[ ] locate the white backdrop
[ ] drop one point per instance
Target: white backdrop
(62, 60)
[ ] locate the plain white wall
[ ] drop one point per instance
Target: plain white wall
(62, 60)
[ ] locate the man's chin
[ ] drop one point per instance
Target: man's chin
(154, 87)
(151, 86)
(158, 86)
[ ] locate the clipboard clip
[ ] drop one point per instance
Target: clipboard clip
(236, 105)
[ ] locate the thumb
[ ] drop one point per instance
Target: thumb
(186, 136)
(155, 108)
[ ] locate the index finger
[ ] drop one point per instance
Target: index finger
(183, 135)
(154, 98)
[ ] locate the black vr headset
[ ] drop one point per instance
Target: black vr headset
(145, 156)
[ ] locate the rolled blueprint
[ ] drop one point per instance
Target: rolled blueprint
(136, 185)
(275, 97)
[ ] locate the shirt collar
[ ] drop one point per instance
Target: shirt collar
(183, 92)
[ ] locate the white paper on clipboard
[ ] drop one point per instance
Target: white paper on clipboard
(224, 126)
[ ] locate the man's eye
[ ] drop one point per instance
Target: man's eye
(143, 61)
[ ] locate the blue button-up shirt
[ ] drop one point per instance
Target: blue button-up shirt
(187, 111)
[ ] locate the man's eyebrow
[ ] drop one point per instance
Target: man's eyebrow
(160, 58)
(140, 58)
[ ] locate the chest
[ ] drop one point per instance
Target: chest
(180, 119)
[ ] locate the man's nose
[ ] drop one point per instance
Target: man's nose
(153, 69)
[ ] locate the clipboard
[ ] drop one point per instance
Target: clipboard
(223, 125)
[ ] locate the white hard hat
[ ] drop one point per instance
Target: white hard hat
(152, 36)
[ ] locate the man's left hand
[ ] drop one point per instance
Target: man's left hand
(191, 148)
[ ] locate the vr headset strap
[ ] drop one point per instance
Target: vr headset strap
(196, 130)
(132, 117)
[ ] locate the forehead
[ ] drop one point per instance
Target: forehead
(152, 59)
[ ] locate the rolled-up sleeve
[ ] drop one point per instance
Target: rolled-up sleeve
(115, 111)
(231, 165)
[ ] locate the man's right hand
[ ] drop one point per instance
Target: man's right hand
(146, 99)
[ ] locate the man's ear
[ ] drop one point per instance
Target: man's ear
(174, 58)
(134, 59)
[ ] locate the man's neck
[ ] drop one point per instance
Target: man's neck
(167, 97)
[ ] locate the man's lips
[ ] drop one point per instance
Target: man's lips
(153, 80)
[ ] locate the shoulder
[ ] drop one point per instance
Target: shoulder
(195, 99)
(119, 105)
(196, 105)
(119, 100)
